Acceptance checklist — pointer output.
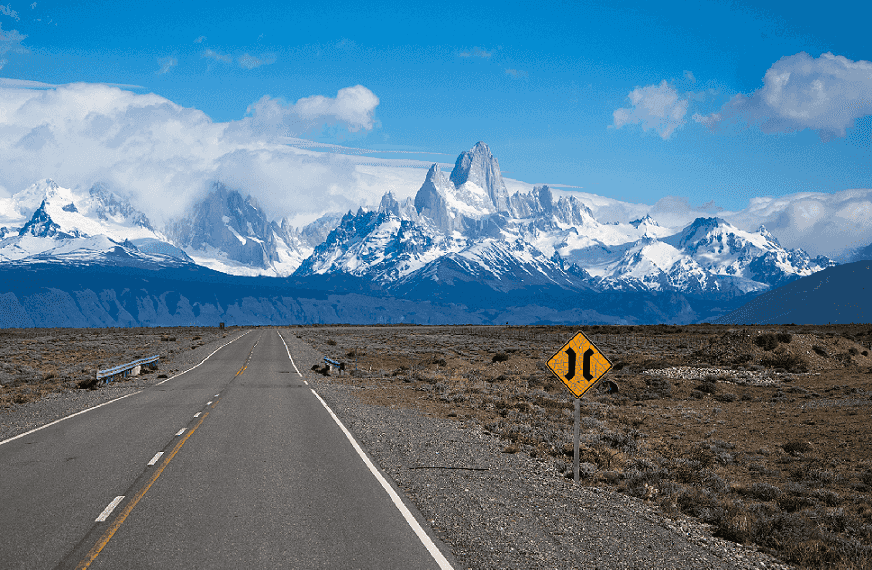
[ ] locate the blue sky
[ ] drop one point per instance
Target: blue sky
(563, 93)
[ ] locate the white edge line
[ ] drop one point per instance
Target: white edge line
(155, 458)
(422, 536)
(122, 397)
(205, 359)
(181, 431)
(66, 418)
(289, 353)
(407, 515)
(109, 508)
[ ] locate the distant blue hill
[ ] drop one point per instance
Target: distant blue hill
(123, 290)
(835, 295)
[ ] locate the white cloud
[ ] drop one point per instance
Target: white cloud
(200, 39)
(517, 73)
(224, 58)
(655, 106)
(11, 42)
(800, 92)
(689, 75)
(8, 11)
(163, 156)
(477, 52)
(352, 108)
(25, 83)
(819, 223)
(166, 63)
(250, 62)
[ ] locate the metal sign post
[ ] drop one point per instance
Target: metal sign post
(577, 438)
(565, 365)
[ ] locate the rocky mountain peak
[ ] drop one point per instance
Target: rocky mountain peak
(647, 220)
(41, 225)
(431, 199)
(107, 204)
(389, 204)
(480, 167)
(701, 229)
(769, 237)
(546, 199)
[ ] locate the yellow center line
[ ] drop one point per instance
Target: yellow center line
(119, 520)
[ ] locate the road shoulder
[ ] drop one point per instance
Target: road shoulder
(499, 510)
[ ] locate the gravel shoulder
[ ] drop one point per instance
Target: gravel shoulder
(16, 419)
(493, 509)
(500, 510)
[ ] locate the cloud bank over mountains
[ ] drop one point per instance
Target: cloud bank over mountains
(163, 157)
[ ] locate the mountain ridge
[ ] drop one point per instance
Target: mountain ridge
(461, 241)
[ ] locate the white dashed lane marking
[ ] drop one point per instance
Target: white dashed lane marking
(109, 508)
(181, 431)
(197, 415)
(209, 403)
(121, 398)
(155, 458)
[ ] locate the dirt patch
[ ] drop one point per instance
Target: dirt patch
(760, 432)
(37, 362)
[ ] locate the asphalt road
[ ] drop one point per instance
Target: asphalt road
(255, 472)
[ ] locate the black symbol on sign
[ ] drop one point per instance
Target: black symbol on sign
(570, 373)
(587, 354)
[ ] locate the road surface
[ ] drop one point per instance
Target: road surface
(236, 463)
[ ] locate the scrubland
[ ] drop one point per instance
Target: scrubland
(38, 362)
(762, 433)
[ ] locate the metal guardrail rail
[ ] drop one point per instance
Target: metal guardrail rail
(334, 363)
(123, 370)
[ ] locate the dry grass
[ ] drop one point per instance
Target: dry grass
(773, 449)
(38, 362)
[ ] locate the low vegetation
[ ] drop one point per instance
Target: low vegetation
(763, 434)
(35, 363)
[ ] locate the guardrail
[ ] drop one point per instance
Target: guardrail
(124, 370)
(333, 363)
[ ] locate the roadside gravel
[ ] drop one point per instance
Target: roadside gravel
(493, 509)
(500, 510)
(20, 418)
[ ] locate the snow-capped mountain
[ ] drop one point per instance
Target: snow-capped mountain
(467, 221)
(232, 234)
(47, 221)
(709, 256)
(474, 190)
(462, 241)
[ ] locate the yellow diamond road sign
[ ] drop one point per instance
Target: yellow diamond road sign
(579, 364)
